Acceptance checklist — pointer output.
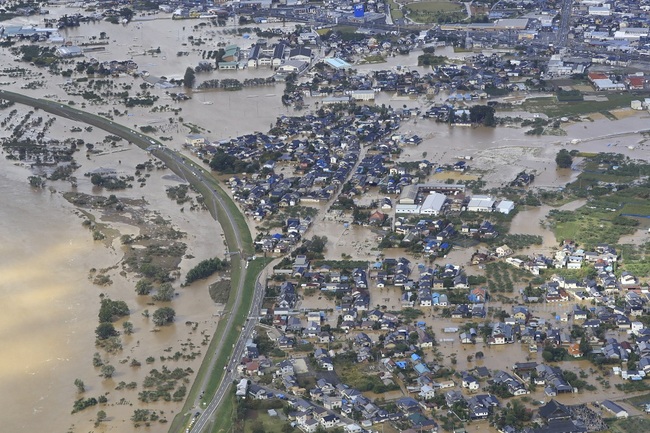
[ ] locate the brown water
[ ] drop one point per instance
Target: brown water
(48, 304)
(51, 306)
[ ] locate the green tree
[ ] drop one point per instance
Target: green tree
(429, 59)
(128, 328)
(563, 159)
(229, 164)
(317, 244)
(190, 78)
(143, 287)
(204, 269)
(101, 416)
(165, 293)
(482, 114)
(105, 330)
(585, 347)
(140, 415)
(36, 181)
(163, 316)
(81, 387)
(126, 13)
(514, 414)
(552, 354)
(110, 310)
(107, 371)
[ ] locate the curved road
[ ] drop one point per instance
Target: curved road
(196, 177)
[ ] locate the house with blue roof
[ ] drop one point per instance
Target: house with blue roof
(421, 369)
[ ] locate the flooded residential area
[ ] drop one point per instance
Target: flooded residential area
(461, 231)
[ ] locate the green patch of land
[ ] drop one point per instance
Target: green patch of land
(617, 201)
(256, 419)
(636, 259)
(347, 32)
(251, 273)
(436, 11)
(587, 227)
(220, 291)
(630, 425)
(501, 277)
(395, 10)
(520, 241)
(554, 108)
(639, 400)
(250, 416)
(377, 58)
(435, 6)
(216, 373)
(359, 379)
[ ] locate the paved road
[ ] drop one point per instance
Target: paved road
(565, 20)
(194, 175)
(207, 415)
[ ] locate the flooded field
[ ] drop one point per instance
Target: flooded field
(531, 221)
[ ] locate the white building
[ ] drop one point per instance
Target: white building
(242, 388)
(433, 204)
(481, 203)
(505, 206)
(69, 51)
(427, 392)
(363, 95)
(615, 409)
(407, 208)
(195, 140)
(607, 84)
(293, 66)
(602, 11)
(636, 105)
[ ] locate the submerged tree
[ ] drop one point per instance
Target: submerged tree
(105, 330)
(563, 159)
(190, 78)
(80, 385)
(163, 316)
(128, 328)
(107, 371)
(101, 416)
(165, 293)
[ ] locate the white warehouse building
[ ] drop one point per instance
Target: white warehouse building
(481, 203)
(433, 204)
(505, 206)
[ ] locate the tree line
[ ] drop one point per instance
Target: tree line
(205, 268)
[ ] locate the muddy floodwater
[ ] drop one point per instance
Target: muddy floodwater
(51, 303)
